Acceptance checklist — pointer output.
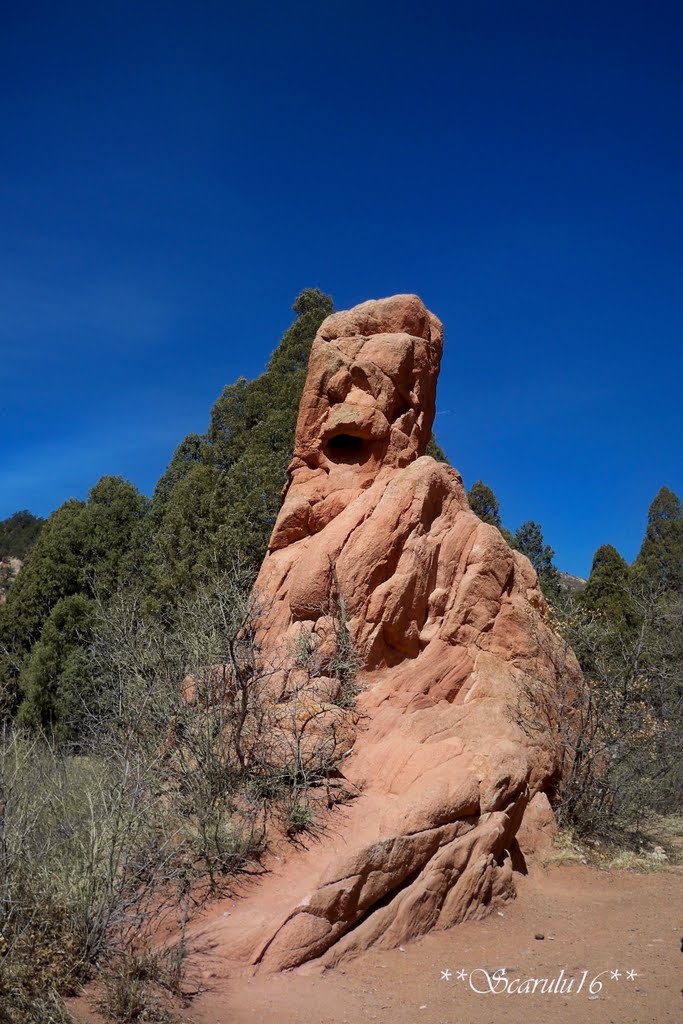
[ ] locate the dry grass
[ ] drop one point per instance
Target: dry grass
(656, 846)
(567, 849)
(134, 989)
(196, 749)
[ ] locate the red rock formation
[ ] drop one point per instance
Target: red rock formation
(452, 630)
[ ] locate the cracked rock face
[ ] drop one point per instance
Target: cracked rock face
(451, 758)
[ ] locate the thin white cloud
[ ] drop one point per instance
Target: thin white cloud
(50, 286)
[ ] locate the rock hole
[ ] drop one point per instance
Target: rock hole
(346, 448)
(346, 442)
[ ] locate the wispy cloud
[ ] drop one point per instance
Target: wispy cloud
(31, 307)
(50, 286)
(44, 475)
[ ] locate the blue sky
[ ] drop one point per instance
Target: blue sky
(171, 176)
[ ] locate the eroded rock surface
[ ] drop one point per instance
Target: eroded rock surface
(450, 750)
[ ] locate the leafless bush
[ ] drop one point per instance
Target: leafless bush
(194, 742)
(619, 731)
(233, 734)
(86, 860)
(138, 987)
(345, 663)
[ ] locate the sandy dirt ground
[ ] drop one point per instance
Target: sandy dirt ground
(593, 923)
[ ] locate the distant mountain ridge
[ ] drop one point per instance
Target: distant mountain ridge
(573, 584)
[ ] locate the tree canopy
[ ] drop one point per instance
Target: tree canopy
(216, 502)
(484, 503)
(18, 534)
(660, 559)
(221, 492)
(608, 590)
(84, 547)
(529, 540)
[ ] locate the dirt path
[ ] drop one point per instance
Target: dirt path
(592, 921)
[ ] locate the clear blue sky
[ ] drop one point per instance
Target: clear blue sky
(172, 175)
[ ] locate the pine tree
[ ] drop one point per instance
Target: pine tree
(484, 504)
(55, 677)
(18, 534)
(608, 590)
(435, 451)
(221, 493)
(529, 540)
(84, 547)
(660, 560)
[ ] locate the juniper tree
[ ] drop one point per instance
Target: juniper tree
(660, 560)
(529, 540)
(484, 504)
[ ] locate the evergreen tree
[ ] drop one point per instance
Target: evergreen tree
(187, 455)
(220, 496)
(529, 540)
(435, 451)
(84, 547)
(508, 537)
(54, 569)
(608, 590)
(18, 534)
(115, 517)
(269, 404)
(55, 676)
(484, 504)
(660, 560)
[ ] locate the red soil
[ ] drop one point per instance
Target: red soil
(591, 920)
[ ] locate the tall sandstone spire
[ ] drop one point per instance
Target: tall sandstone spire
(451, 784)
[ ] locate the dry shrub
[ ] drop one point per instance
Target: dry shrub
(87, 862)
(194, 745)
(620, 733)
(139, 987)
